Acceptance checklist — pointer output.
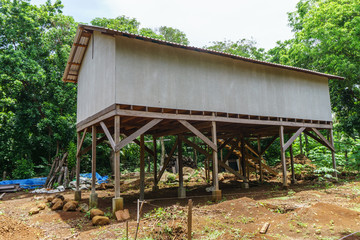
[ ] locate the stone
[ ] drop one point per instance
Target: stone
(122, 215)
(49, 199)
(58, 205)
(221, 177)
(96, 212)
(54, 201)
(66, 200)
(188, 171)
(102, 186)
(100, 221)
(60, 197)
(41, 206)
(70, 206)
(33, 211)
(83, 207)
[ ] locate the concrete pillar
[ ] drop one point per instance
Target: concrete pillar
(142, 167)
(283, 160)
(77, 196)
(117, 202)
(93, 200)
(216, 194)
(181, 190)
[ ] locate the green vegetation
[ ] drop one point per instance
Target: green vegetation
(38, 110)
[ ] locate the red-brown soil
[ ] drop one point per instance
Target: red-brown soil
(304, 211)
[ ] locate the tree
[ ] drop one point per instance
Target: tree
(327, 39)
(37, 116)
(243, 47)
(173, 35)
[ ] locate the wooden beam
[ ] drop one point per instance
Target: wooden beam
(327, 143)
(148, 150)
(222, 164)
(81, 142)
(78, 165)
(93, 160)
(199, 134)
(233, 146)
(142, 168)
(167, 160)
(108, 135)
(292, 139)
(317, 139)
(179, 130)
(293, 180)
(227, 141)
(283, 160)
(269, 144)
(193, 145)
(137, 133)
(180, 166)
(117, 157)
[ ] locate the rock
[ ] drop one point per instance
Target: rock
(33, 211)
(102, 186)
(100, 221)
(70, 206)
(57, 204)
(66, 200)
(60, 196)
(49, 199)
(41, 206)
(55, 200)
(37, 198)
(83, 207)
(96, 212)
(122, 215)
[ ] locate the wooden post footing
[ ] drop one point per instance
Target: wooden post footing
(77, 195)
(117, 204)
(181, 192)
(216, 195)
(93, 200)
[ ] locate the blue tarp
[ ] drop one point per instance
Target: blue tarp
(39, 182)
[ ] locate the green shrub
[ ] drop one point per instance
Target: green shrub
(23, 169)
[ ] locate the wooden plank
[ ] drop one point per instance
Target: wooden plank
(151, 152)
(167, 160)
(199, 134)
(180, 130)
(108, 135)
(233, 146)
(292, 165)
(137, 133)
(81, 142)
(78, 164)
(198, 148)
(180, 162)
(292, 139)
(329, 145)
(283, 160)
(264, 228)
(317, 139)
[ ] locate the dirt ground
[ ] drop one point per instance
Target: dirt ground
(307, 210)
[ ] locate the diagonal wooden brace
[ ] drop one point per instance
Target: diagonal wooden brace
(191, 144)
(108, 135)
(270, 143)
(292, 139)
(199, 134)
(325, 142)
(81, 142)
(167, 160)
(136, 134)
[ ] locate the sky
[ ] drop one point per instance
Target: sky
(203, 21)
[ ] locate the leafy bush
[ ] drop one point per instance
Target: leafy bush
(24, 169)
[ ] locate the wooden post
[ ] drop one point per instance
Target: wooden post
(181, 191)
(333, 152)
(155, 164)
(215, 158)
(283, 160)
(301, 146)
(243, 164)
(142, 168)
(189, 221)
(260, 156)
(78, 194)
(293, 180)
(117, 201)
(93, 199)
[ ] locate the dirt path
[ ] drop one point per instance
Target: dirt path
(305, 211)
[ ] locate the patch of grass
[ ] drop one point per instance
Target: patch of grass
(246, 220)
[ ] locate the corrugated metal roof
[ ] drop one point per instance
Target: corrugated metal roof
(84, 32)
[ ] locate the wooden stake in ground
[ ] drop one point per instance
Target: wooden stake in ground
(189, 222)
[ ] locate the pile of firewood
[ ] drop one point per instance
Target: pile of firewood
(59, 172)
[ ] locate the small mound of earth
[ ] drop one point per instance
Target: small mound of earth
(12, 229)
(355, 200)
(325, 213)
